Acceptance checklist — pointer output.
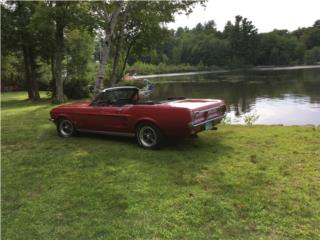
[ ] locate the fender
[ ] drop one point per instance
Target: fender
(146, 119)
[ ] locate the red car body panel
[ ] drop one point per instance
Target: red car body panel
(178, 118)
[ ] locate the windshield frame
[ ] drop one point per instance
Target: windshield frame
(116, 102)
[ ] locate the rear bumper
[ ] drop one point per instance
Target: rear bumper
(197, 127)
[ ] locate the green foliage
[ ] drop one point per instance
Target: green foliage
(259, 182)
(11, 70)
(312, 56)
(80, 68)
(250, 118)
(200, 46)
(312, 37)
(280, 48)
(238, 45)
(243, 40)
(226, 120)
(44, 71)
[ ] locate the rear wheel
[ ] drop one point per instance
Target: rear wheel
(65, 128)
(149, 136)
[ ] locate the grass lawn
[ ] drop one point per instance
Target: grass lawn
(260, 182)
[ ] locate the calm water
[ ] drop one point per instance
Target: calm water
(289, 97)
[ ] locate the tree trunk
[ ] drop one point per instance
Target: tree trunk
(33, 79)
(115, 71)
(52, 87)
(58, 57)
(25, 49)
(26, 59)
(104, 54)
(28, 54)
(125, 61)
(113, 78)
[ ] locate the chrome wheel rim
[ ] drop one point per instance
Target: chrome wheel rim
(147, 136)
(66, 128)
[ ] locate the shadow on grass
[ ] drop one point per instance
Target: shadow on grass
(118, 139)
(17, 104)
(180, 161)
(183, 145)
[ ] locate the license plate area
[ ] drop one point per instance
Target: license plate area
(208, 126)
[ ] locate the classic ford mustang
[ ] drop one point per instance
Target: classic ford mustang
(122, 111)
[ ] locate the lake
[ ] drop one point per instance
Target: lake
(285, 96)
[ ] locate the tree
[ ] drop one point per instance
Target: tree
(50, 21)
(317, 24)
(312, 38)
(239, 44)
(109, 14)
(137, 24)
(79, 66)
(64, 14)
(312, 56)
(243, 39)
(11, 71)
(279, 48)
(18, 35)
(210, 26)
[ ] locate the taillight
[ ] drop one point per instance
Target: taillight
(194, 116)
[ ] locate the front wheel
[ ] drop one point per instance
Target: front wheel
(65, 128)
(149, 136)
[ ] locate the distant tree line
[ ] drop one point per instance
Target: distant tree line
(239, 44)
(64, 46)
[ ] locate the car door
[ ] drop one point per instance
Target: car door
(114, 118)
(105, 115)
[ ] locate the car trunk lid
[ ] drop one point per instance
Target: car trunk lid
(201, 109)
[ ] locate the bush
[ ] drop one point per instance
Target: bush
(312, 56)
(251, 118)
(76, 89)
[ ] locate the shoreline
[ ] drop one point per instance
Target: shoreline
(258, 68)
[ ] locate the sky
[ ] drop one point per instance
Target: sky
(266, 15)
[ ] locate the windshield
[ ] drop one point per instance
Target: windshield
(115, 97)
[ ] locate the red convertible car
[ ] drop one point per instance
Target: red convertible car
(121, 111)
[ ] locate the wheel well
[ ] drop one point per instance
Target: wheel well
(60, 118)
(64, 117)
(147, 122)
(143, 121)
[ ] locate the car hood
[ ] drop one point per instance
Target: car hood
(74, 105)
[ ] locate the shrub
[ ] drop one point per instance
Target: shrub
(250, 118)
(312, 56)
(76, 89)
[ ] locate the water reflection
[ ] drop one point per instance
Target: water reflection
(278, 97)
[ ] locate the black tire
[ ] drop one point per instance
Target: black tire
(149, 136)
(65, 128)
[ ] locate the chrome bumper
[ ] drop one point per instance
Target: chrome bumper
(219, 118)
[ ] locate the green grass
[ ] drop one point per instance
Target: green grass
(259, 182)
